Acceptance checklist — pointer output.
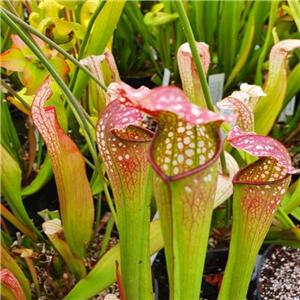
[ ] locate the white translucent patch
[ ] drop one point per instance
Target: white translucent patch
(180, 158)
(188, 189)
(207, 178)
(189, 162)
(202, 159)
(196, 112)
(200, 144)
(189, 152)
(180, 146)
(186, 140)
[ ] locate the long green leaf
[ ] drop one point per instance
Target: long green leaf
(104, 27)
(43, 176)
(243, 57)
(104, 272)
(295, 12)
(289, 237)
(210, 22)
(9, 136)
(227, 35)
(13, 220)
(267, 43)
(11, 189)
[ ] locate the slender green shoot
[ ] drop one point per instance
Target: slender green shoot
(191, 40)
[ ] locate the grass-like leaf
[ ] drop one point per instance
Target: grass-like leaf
(104, 272)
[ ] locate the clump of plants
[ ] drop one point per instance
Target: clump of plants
(194, 160)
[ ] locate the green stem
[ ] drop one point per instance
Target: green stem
(55, 46)
(89, 164)
(266, 46)
(283, 217)
(11, 8)
(6, 39)
(85, 40)
(40, 152)
(90, 27)
(12, 11)
(97, 221)
(90, 144)
(191, 40)
(12, 92)
(223, 163)
(109, 227)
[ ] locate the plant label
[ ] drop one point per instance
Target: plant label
(288, 111)
(216, 84)
(166, 78)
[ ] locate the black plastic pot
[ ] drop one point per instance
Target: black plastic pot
(268, 251)
(215, 264)
(281, 264)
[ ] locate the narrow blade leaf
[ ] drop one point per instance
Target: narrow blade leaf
(103, 274)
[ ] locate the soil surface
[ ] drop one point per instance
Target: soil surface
(55, 285)
(280, 275)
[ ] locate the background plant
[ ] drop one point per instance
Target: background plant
(160, 34)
